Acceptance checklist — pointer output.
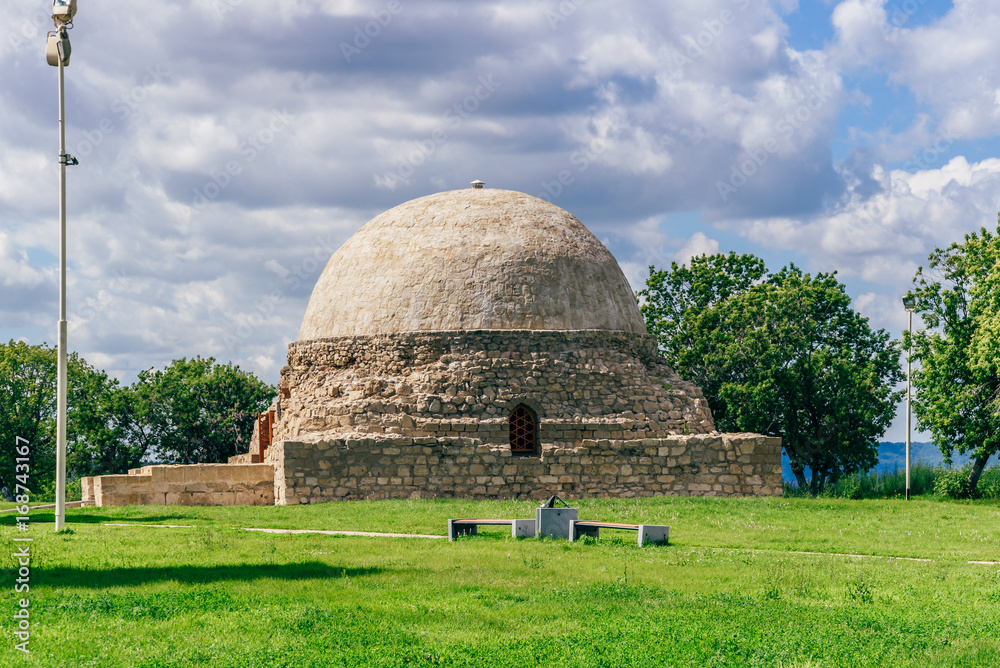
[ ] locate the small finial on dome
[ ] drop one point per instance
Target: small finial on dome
(478, 184)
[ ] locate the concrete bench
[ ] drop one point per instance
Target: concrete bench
(467, 527)
(648, 533)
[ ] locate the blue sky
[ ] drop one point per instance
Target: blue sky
(228, 147)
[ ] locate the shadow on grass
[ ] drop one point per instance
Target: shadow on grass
(48, 516)
(125, 519)
(102, 578)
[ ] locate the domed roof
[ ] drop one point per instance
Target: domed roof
(471, 259)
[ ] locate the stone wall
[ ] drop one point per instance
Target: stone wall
(402, 467)
(184, 485)
(592, 384)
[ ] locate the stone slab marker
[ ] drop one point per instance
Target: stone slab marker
(523, 529)
(653, 534)
(553, 522)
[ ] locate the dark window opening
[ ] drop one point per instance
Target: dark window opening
(523, 431)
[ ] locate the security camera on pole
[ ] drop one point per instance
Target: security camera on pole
(57, 52)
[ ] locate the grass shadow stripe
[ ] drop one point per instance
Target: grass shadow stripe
(132, 576)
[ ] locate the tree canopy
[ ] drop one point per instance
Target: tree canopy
(957, 383)
(780, 354)
(192, 411)
(28, 376)
(199, 411)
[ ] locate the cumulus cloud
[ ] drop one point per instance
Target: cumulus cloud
(948, 63)
(882, 239)
(228, 148)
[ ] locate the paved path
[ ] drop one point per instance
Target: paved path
(872, 556)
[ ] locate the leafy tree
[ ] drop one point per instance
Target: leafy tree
(27, 409)
(28, 378)
(781, 354)
(957, 383)
(673, 297)
(198, 411)
(116, 437)
(192, 411)
(985, 306)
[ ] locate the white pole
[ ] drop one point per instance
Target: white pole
(61, 387)
(909, 354)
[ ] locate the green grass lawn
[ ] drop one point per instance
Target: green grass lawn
(744, 582)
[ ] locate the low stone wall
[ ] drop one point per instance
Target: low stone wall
(184, 485)
(375, 468)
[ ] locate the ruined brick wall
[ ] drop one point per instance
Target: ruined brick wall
(184, 485)
(587, 384)
(403, 467)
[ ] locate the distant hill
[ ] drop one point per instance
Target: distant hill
(893, 455)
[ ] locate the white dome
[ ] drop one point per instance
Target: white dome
(471, 259)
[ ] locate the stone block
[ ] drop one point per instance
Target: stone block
(224, 499)
(554, 522)
(87, 489)
(656, 534)
(243, 497)
(523, 529)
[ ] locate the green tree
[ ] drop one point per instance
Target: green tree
(956, 384)
(781, 354)
(198, 411)
(116, 437)
(28, 377)
(675, 298)
(985, 308)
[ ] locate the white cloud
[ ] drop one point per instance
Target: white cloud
(882, 239)
(698, 244)
(947, 62)
(16, 270)
(626, 114)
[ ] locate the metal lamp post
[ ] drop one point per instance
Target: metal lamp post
(57, 52)
(909, 303)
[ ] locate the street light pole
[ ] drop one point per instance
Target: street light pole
(57, 52)
(61, 389)
(909, 303)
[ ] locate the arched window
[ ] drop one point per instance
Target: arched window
(523, 431)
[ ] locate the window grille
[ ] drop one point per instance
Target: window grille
(523, 431)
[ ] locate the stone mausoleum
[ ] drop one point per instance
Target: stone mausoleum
(476, 343)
